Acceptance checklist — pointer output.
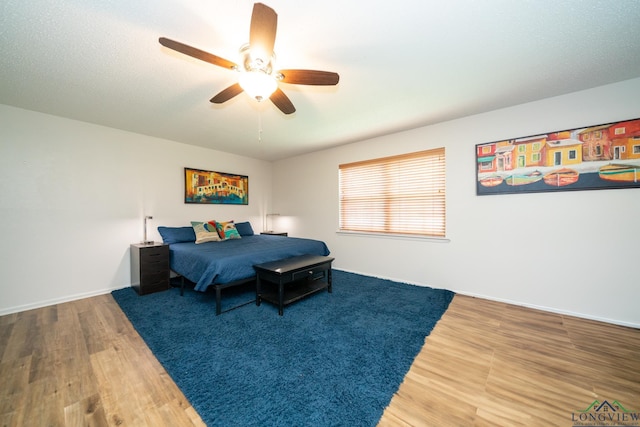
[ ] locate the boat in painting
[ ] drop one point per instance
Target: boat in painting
(524, 179)
(491, 181)
(620, 172)
(561, 177)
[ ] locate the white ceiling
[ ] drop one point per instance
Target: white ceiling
(402, 64)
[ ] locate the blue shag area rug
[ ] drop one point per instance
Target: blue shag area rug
(332, 359)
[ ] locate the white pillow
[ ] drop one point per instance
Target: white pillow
(205, 231)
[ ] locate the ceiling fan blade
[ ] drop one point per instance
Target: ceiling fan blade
(262, 33)
(227, 94)
(197, 53)
(309, 77)
(282, 101)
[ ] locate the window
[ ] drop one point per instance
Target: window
(397, 195)
(486, 166)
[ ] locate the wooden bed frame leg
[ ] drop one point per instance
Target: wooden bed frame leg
(182, 286)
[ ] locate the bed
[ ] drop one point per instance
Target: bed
(229, 262)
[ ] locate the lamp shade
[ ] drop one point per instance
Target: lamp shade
(256, 73)
(257, 84)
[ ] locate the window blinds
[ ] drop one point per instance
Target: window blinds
(398, 195)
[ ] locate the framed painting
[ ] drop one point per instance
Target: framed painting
(208, 187)
(589, 158)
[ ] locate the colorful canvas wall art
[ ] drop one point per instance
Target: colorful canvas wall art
(210, 187)
(590, 158)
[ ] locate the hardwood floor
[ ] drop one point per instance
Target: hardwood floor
(82, 364)
(493, 364)
(484, 364)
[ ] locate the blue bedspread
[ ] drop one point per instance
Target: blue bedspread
(230, 260)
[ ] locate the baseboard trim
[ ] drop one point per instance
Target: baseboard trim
(40, 304)
(54, 301)
(553, 310)
(511, 302)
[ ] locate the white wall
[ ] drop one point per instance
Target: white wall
(73, 196)
(568, 252)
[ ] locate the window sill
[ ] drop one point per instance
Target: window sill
(394, 236)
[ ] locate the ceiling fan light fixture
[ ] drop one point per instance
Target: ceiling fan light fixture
(257, 84)
(258, 76)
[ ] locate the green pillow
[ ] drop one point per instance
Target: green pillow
(227, 230)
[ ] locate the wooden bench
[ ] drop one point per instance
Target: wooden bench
(295, 278)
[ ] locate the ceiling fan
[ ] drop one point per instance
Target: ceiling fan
(258, 78)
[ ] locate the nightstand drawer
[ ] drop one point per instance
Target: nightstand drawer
(154, 265)
(154, 283)
(154, 254)
(149, 276)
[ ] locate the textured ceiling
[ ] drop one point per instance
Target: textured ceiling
(402, 64)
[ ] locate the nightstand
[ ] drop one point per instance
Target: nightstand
(275, 233)
(149, 267)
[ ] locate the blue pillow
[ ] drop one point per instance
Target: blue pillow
(244, 229)
(177, 234)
